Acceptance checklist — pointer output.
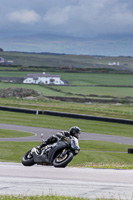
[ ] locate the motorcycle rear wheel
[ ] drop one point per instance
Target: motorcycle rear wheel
(27, 159)
(62, 161)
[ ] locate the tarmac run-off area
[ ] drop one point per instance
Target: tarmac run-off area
(15, 179)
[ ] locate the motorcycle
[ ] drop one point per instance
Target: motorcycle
(58, 154)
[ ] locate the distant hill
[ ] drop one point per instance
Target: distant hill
(112, 45)
(115, 37)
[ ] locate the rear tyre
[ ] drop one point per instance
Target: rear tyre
(27, 159)
(62, 161)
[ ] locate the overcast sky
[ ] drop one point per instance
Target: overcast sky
(79, 18)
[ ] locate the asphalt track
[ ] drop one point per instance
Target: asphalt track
(37, 131)
(16, 179)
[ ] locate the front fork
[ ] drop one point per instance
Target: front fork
(64, 152)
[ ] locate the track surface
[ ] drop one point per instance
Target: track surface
(48, 132)
(83, 182)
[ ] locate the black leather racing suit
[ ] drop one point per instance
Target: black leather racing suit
(41, 158)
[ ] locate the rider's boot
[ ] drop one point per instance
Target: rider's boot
(38, 158)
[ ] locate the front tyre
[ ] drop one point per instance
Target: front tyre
(27, 159)
(60, 161)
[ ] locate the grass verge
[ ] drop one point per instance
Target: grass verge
(93, 153)
(48, 197)
(13, 133)
(64, 123)
(96, 154)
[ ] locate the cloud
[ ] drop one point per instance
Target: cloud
(90, 17)
(57, 16)
(76, 17)
(24, 16)
(123, 15)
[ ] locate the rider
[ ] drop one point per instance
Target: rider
(74, 131)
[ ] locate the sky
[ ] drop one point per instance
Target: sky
(77, 18)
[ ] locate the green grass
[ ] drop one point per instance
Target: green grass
(14, 73)
(92, 154)
(78, 61)
(75, 91)
(38, 88)
(64, 123)
(87, 90)
(48, 197)
(82, 78)
(99, 154)
(109, 110)
(13, 133)
(98, 78)
(13, 151)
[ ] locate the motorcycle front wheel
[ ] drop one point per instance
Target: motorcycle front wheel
(60, 161)
(27, 159)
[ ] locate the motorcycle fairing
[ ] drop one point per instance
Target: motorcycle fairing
(60, 145)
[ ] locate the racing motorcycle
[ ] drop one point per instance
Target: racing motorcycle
(58, 154)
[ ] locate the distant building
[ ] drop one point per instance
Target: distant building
(43, 78)
(2, 60)
(9, 62)
(113, 63)
(5, 62)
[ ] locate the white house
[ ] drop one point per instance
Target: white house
(2, 60)
(43, 78)
(113, 63)
(5, 62)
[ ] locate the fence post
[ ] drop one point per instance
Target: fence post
(37, 112)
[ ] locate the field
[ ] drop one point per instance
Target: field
(93, 154)
(94, 100)
(64, 123)
(95, 88)
(67, 61)
(77, 91)
(107, 92)
(82, 79)
(91, 78)
(12, 133)
(110, 155)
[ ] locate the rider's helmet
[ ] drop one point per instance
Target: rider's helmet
(75, 131)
